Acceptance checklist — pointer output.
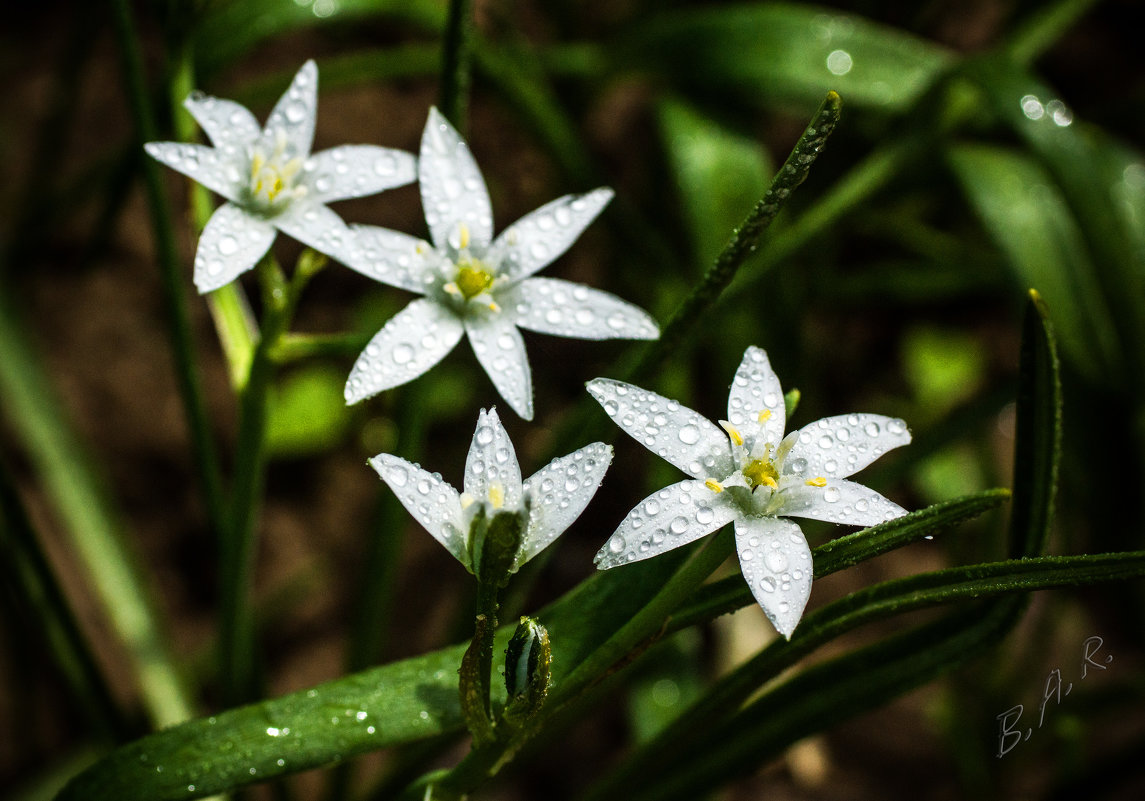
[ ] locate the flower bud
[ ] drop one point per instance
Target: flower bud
(528, 670)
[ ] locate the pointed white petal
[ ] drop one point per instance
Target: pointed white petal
(411, 342)
(840, 501)
(294, 113)
(356, 171)
(501, 351)
(559, 492)
(755, 402)
(776, 565)
(204, 164)
(432, 502)
(318, 227)
(492, 472)
(673, 432)
(836, 447)
(565, 309)
(391, 257)
(452, 189)
(231, 243)
(228, 124)
(535, 240)
(667, 519)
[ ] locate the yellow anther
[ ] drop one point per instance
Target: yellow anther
(493, 307)
(463, 235)
(736, 437)
(421, 248)
(257, 161)
(764, 415)
(496, 496)
(818, 481)
(466, 500)
(713, 485)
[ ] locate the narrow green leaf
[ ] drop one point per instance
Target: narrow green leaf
(785, 53)
(719, 174)
(1025, 213)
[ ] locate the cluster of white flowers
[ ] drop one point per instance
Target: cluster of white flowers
(744, 472)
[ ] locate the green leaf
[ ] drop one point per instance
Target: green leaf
(719, 174)
(784, 53)
(1026, 214)
(307, 413)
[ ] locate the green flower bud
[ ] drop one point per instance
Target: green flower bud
(528, 670)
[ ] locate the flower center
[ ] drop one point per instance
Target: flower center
(761, 472)
(273, 178)
(472, 278)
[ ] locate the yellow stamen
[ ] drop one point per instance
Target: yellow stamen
(466, 500)
(736, 437)
(257, 161)
(818, 481)
(713, 485)
(764, 415)
(496, 496)
(463, 235)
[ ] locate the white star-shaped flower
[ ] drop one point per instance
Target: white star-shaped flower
(271, 181)
(552, 498)
(745, 471)
(474, 284)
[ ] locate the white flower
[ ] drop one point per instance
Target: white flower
(552, 498)
(271, 181)
(747, 472)
(477, 285)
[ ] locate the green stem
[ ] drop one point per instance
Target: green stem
(457, 60)
(237, 554)
(170, 273)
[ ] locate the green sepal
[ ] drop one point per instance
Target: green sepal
(528, 670)
(473, 686)
(494, 543)
(791, 401)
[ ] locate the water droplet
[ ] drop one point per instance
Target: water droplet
(228, 245)
(484, 435)
(704, 515)
(871, 429)
(896, 426)
(398, 476)
(402, 354)
(775, 560)
(826, 441)
(830, 465)
(616, 543)
(295, 112)
(616, 321)
(689, 434)
(423, 487)
(767, 584)
(505, 342)
(651, 507)
(678, 525)
(831, 494)
(584, 317)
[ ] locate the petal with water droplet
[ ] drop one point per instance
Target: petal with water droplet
(356, 171)
(452, 189)
(318, 227)
(755, 402)
(498, 346)
(675, 433)
(839, 501)
(492, 472)
(294, 113)
(432, 502)
(224, 121)
(535, 240)
(559, 492)
(836, 447)
(391, 257)
(667, 519)
(565, 309)
(411, 342)
(776, 564)
(201, 163)
(232, 242)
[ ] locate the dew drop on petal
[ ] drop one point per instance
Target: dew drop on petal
(678, 525)
(228, 245)
(402, 354)
(704, 515)
(651, 507)
(826, 441)
(295, 112)
(775, 560)
(484, 435)
(831, 494)
(871, 429)
(398, 476)
(767, 584)
(689, 434)
(616, 543)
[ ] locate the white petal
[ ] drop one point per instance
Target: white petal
(673, 432)
(835, 447)
(318, 227)
(431, 501)
(535, 240)
(776, 564)
(755, 402)
(356, 171)
(565, 309)
(667, 519)
(559, 492)
(840, 501)
(501, 351)
(452, 189)
(204, 164)
(492, 472)
(411, 342)
(227, 123)
(231, 243)
(391, 257)
(294, 113)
